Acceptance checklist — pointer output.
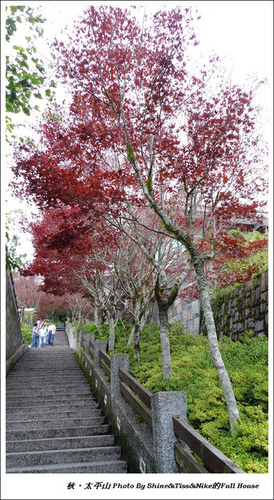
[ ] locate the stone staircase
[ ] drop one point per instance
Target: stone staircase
(53, 422)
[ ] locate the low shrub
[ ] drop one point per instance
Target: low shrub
(27, 333)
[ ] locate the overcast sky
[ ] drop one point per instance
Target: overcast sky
(240, 30)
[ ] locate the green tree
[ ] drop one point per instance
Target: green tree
(25, 77)
(13, 260)
(25, 71)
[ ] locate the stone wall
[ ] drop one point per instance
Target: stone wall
(244, 308)
(15, 345)
(188, 314)
(238, 310)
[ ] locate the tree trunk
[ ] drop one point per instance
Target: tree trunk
(134, 338)
(132, 333)
(111, 339)
(22, 314)
(96, 319)
(136, 351)
(165, 345)
(214, 347)
(140, 314)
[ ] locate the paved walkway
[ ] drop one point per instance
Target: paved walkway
(54, 422)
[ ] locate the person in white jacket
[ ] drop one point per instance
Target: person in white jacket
(51, 333)
(43, 335)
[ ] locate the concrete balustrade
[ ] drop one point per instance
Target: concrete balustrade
(152, 428)
(148, 450)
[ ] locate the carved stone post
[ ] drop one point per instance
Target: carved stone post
(164, 406)
(90, 337)
(82, 333)
(117, 361)
(98, 345)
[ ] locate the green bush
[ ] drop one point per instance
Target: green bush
(27, 333)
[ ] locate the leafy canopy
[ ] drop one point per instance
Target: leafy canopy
(25, 70)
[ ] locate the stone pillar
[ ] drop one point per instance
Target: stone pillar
(98, 345)
(90, 337)
(82, 333)
(164, 406)
(117, 360)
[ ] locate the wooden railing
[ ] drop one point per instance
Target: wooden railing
(213, 459)
(105, 362)
(137, 395)
(91, 351)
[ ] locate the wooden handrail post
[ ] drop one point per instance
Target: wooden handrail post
(117, 361)
(164, 406)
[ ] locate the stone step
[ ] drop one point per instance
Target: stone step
(42, 403)
(48, 351)
(50, 380)
(46, 370)
(46, 424)
(48, 391)
(36, 399)
(60, 381)
(31, 458)
(56, 416)
(49, 412)
(56, 363)
(52, 403)
(52, 406)
(47, 355)
(93, 430)
(100, 467)
(44, 359)
(64, 443)
(34, 387)
(54, 379)
(56, 376)
(34, 392)
(61, 371)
